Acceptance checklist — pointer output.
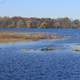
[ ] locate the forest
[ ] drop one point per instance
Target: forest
(33, 22)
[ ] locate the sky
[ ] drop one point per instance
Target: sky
(40, 8)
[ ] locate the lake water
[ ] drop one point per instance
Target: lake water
(35, 61)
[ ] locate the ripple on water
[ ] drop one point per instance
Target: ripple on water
(17, 66)
(61, 65)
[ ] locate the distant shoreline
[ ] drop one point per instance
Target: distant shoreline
(33, 22)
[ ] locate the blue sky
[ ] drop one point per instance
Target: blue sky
(40, 8)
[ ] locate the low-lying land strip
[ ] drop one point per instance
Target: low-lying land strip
(12, 36)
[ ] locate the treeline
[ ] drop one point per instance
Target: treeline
(20, 22)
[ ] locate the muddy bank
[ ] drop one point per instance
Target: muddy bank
(11, 36)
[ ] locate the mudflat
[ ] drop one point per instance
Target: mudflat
(13, 36)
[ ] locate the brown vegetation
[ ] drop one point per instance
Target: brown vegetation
(14, 36)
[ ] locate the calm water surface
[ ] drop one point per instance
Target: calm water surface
(43, 59)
